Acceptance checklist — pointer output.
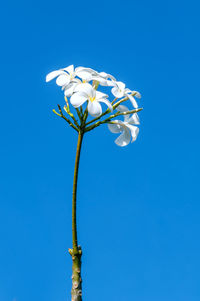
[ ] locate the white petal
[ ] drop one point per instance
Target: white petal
(84, 74)
(110, 83)
(124, 138)
(138, 95)
(77, 99)
(115, 127)
(121, 85)
(102, 81)
(122, 108)
(69, 69)
(107, 76)
(134, 119)
(73, 82)
(100, 95)
(87, 89)
(63, 79)
(94, 109)
(103, 74)
(107, 102)
(133, 101)
(134, 131)
(68, 92)
(69, 89)
(89, 70)
(117, 93)
(53, 75)
(127, 90)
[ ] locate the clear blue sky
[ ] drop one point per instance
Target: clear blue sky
(138, 207)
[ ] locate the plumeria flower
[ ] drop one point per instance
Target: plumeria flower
(85, 92)
(68, 74)
(126, 127)
(119, 90)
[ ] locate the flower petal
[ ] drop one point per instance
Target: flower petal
(89, 70)
(69, 89)
(134, 119)
(124, 138)
(116, 92)
(107, 102)
(77, 99)
(121, 85)
(94, 109)
(137, 94)
(115, 127)
(69, 69)
(86, 88)
(122, 108)
(134, 131)
(63, 79)
(53, 75)
(107, 76)
(133, 101)
(73, 82)
(110, 83)
(100, 95)
(84, 75)
(102, 81)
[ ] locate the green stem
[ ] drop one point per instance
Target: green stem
(76, 252)
(74, 227)
(107, 120)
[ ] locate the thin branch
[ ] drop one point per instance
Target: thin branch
(81, 110)
(127, 112)
(122, 100)
(97, 118)
(85, 115)
(107, 120)
(67, 109)
(79, 114)
(114, 101)
(66, 119)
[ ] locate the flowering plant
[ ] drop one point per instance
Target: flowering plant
(80, 86)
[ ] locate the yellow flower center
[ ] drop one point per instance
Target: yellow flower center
(92, 99)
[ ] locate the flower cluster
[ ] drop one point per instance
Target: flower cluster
(80, 85)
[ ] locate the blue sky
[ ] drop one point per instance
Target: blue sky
(138, 207)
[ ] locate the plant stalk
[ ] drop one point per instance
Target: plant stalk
(76, 251)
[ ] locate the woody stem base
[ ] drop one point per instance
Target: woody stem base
(76, 291)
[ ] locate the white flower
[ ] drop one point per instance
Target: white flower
(84, 92)
(119, 90)
(68, 74)
(126, 127)
(67, 77)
